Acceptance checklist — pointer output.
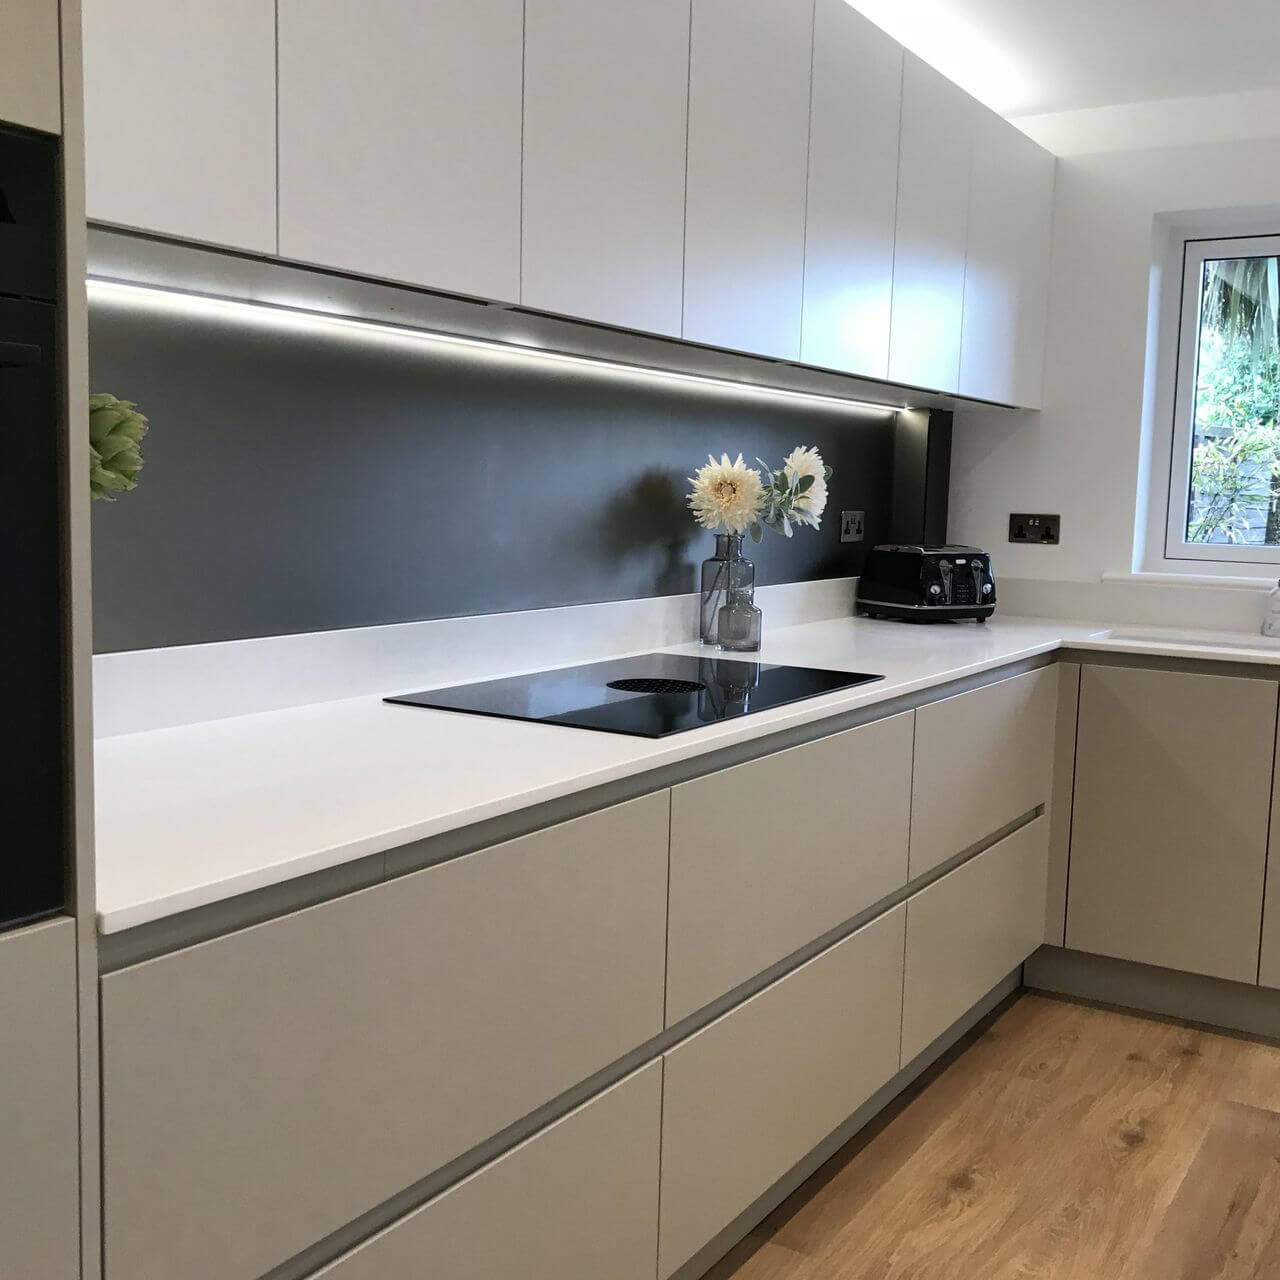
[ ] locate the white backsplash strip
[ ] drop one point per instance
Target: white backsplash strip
(1157, 604)
(158, 688)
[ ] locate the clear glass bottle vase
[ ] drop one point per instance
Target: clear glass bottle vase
(728, 615)
(740, 621)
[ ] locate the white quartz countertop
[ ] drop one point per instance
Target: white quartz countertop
(192, 815)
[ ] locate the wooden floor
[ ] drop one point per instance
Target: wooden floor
(1064, 1143)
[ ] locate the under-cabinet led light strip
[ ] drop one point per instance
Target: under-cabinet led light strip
(298, 320)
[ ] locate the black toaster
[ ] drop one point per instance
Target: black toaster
(927, 584)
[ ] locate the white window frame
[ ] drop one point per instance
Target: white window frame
(1176, 548)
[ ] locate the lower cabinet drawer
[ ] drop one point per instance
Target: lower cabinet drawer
(578, 1201)
(983, 760)
(750, 1095)
(266, 1088)
(771, 854)
(969, 929)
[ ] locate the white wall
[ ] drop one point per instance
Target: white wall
(1081, 455)
(1171, 122)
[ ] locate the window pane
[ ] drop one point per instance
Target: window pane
(1235, 459)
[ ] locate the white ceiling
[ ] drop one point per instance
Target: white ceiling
(1024, 57)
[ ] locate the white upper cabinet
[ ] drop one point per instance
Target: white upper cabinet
(853, 187)
(30, 76)
(605, 112)
(748, 142)
(400, 140)
(180, 108)
(774, 177)
(932, 228)
(1007, 270)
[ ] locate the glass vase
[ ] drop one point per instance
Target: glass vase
(728, 592)
(739, 629)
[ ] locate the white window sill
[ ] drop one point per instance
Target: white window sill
(1228, 582)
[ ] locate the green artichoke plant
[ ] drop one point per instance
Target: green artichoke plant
(116, 429)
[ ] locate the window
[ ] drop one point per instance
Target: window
(1224, 492)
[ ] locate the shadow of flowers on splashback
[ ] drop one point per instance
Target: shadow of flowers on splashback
(648, 518)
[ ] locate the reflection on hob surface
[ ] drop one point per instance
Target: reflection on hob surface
(649, 696)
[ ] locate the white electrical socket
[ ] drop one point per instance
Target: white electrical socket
(851, 526)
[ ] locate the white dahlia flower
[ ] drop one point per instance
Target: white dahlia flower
(811, 499)
(726, 494)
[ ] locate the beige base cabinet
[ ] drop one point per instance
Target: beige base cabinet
(1169, 826)
(983, 760)
(39, 1104)
(1064, 777)
(267, 1087)
(769, 855)
(578, 1200)
(1269, 964)
(30, 74)
(969, 929)
(751, 1094)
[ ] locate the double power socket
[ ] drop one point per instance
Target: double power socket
(852, 526)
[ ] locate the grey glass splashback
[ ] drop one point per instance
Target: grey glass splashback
(297, 482)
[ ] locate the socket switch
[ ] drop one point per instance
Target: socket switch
(1029, 527)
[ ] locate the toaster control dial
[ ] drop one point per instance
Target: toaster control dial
(935, 590)
(986, 588)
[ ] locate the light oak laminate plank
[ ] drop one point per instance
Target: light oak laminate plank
(1063, 1142)
(1225, 1220)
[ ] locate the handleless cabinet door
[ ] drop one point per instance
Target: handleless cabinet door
(578, 1201)
(1269, 964)
(748, 142)
(400, 140)
(983, 760)
(853, 190)
(1169, 825)
(768, 856)
(751, 1094)
(606, 87)
(180, 118)
(39, 1104)
(1006, 281)
(263, 1089)
(970, 929)
(30, 74)
(932, 229)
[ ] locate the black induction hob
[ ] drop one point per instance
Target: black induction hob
(649, 696)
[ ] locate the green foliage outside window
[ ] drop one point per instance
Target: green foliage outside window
(1235, 461)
